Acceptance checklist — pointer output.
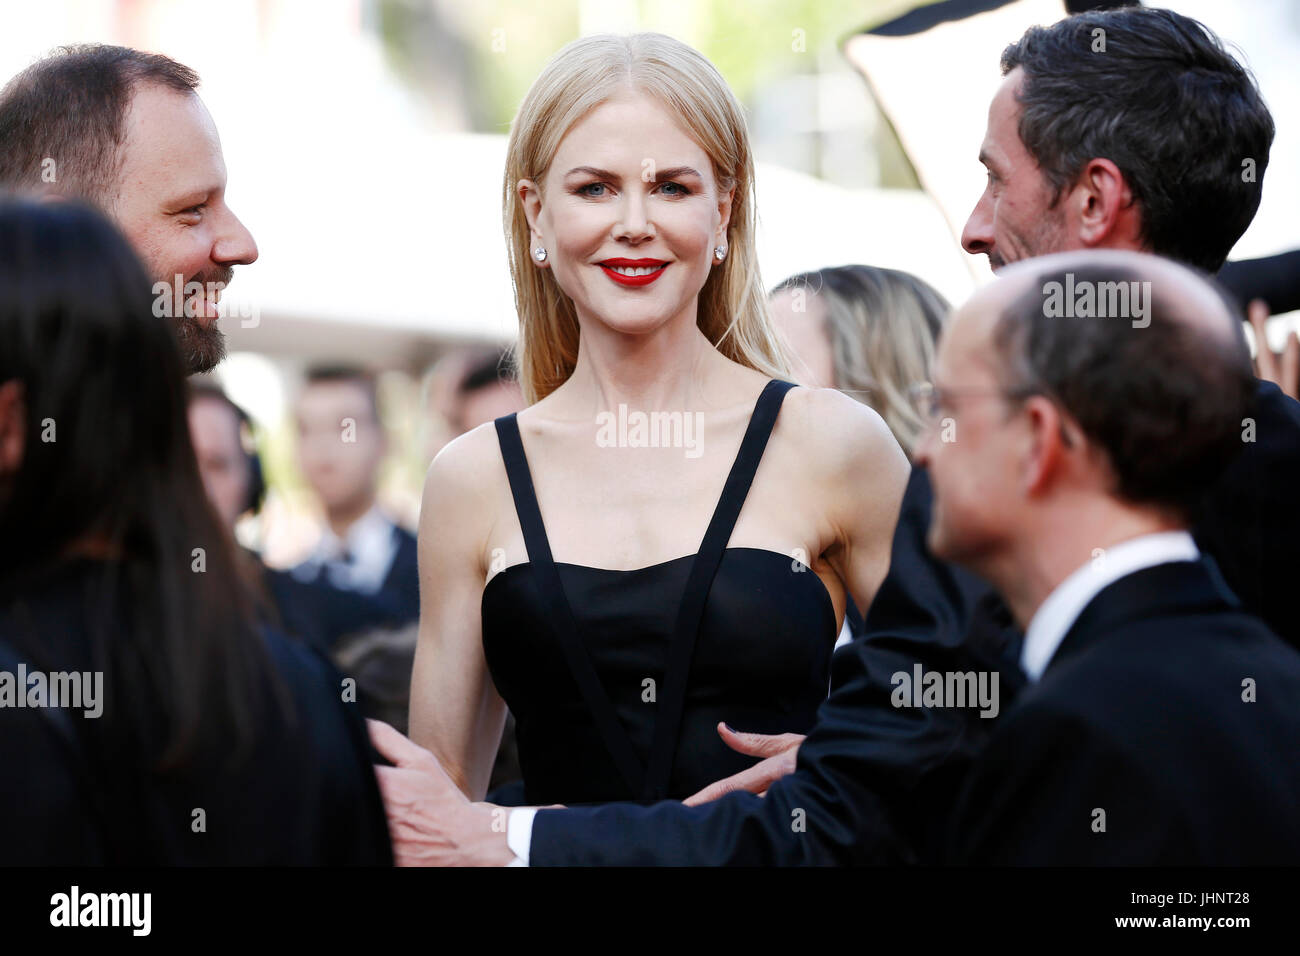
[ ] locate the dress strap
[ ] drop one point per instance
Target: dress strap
(703, 569)
(612, 732)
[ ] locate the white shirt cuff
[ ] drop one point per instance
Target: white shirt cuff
(519, 834)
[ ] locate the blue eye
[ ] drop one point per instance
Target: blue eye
(583, 190)
(681, 190)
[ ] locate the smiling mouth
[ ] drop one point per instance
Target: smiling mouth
(633, 272)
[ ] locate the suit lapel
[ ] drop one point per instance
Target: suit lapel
(1179, 587)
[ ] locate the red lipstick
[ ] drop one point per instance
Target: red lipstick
(611, 266)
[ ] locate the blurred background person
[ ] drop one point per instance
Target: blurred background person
(222, 434)
(870, 333)
(315, 611)
(488, 390)
(866, 331)
(341, 447)
(113, 566)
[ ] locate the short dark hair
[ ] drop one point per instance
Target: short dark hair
(1164, 402)
(347, 374)
(1167, 104)
(70, 107)
(492, 368)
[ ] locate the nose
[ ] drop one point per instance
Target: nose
(234, 244)
(977, 236)
(633, 225)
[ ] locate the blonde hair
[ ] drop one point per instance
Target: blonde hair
(732, 310)
(882, 325)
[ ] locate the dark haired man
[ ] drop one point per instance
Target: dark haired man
(487, 390)
(341, 445)
(874, 782)
(126, 132)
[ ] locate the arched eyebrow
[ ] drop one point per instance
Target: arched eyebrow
(676, 172)
(672, 172)
(593, 171)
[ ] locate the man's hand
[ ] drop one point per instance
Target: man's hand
(1280, 368)
(781, 751)
(430, 821)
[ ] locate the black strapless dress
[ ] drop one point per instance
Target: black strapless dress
(617, 679)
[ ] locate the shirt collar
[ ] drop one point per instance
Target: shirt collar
(1057, 614)
(370, 543)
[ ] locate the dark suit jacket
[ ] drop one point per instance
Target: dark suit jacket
(1140, 723)
(875, 782)
(403, 582)
(322, 614)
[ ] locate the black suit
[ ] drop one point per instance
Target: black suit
(322, 613)
(402, 585)
(1140, 716)
(875, 783)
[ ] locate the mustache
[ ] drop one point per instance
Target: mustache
(220, 275)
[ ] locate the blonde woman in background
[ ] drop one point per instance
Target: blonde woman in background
(866, 331)
(869, 333)
(625, 595)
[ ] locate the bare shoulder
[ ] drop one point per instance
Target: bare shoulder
(840, 436)
(462, 486)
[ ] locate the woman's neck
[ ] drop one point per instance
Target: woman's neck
(662, 371)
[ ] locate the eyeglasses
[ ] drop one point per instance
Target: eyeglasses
(930, 400)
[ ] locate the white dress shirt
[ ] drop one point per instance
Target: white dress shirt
(1046, 630)
(1057, 614)
(360, 560)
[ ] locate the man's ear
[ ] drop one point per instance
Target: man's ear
(13, 413)
(530, 196)
(1101, 207)
(1048, 442)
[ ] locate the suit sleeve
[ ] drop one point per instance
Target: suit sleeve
(1249, 524)
(869, 774)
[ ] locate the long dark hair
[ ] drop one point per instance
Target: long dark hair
(108, 469)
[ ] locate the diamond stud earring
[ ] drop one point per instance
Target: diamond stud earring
(539, 254)
(720, 252)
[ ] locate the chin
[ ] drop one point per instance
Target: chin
(627, 322)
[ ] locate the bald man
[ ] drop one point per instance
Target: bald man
(1159, 725)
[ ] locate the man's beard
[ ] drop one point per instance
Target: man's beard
(202, 346)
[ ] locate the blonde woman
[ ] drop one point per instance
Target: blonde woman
(867, 331)
(625, 590)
